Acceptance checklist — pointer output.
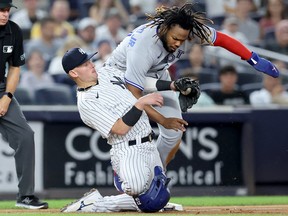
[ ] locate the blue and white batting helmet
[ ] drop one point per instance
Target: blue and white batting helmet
(158, 194)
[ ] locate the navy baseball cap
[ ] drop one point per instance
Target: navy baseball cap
(75, 57)
(6, 4)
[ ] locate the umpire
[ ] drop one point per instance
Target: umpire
(13, 125)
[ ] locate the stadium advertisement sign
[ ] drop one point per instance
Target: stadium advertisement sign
(77, 156)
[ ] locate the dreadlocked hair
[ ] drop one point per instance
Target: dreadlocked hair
(184, 16)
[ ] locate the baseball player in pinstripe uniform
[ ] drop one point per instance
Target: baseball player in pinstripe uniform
(106, 105)
(150, 49)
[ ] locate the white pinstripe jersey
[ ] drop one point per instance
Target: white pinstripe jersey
(142, 54)
(103, 104)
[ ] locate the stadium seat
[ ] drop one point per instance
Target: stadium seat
(54, 95)
(208, 87)
(250, 87)
(74, 93)
(63, 79)
(249, 76)
(23, 96)
(208, 76)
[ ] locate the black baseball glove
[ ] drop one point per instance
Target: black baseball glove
(189, 92)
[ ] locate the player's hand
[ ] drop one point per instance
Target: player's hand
(263, 65)
(155, 99)
(175, 124)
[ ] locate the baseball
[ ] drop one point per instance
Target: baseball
(187, 91)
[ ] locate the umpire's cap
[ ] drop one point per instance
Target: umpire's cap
(6, 4)
(75, 57)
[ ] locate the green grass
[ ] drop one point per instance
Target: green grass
(231, 200)
(185, 201)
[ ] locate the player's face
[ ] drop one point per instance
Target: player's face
(86, 72)
(174, 38)
(4, 16)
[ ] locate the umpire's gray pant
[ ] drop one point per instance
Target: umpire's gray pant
(16, 131)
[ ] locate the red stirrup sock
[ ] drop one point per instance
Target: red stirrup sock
(232, 45)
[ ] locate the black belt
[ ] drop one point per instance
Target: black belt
(3, 80)
(148, 138)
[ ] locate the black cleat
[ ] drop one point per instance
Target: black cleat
(31, 202)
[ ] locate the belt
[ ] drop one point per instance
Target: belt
(3, 80)
(148, 138)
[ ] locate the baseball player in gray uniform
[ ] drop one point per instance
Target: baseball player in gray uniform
(150, 49)
(106, 105)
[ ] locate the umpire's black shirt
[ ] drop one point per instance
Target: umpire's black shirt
(11, 44)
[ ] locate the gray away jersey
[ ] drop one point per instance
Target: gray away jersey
(103, 104)
(142, 54)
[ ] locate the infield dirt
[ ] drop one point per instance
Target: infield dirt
(193, 210)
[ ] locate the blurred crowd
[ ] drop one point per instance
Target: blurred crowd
(52, 27)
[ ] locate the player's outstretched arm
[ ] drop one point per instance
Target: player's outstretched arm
(236, 47)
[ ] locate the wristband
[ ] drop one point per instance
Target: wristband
(163, 85)
(132, 116)
(9, 94)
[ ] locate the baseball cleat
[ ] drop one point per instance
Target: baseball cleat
(84, 204)
(31, 202)
(173, 207)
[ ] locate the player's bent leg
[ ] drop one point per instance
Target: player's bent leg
(168, 145)
(172, 153)
(169, 140)
(136, 179)
(121, 202)
(93, 201)
(135, 167)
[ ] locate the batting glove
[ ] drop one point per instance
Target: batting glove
(263, 65)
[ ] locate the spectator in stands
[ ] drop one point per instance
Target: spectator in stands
(112, 29)
(275, 12)
(220, 9)
(249, 27)
(273, 92)
(75, 9)
(47, 44)
(228, 94)
(170, 3)
(280, 44)
(196, 61)
(142, 7)
(230, 27)
(35, 76)
(100, 8)
(28, 15)
(104, 49)
(138, 9)
(86, 30)
(224, 8)
(283, 67)
(55, 67)
(60, 12)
